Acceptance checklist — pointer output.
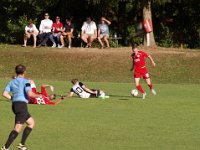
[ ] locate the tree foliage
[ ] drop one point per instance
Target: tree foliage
(175, 22)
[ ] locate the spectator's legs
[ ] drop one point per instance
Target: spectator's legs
(62, 40)
(58, 38)
(106, 40)
(41, 37)
(91, 39)
(46, 37)
(101, 43)
(84, 38)
(26, 37)
(69, 36)
(34, 39)
(52, 38)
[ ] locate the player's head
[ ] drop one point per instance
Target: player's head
(20, 69)
(52, 96)
(74, 81)
(134, 46)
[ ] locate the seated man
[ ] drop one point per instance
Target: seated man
(46, 99)
(89, 32)
(67, 33)
(30, 29)
(83, 92)
(45, 30)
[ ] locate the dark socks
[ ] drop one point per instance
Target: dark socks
(11, 138)
(26, 133)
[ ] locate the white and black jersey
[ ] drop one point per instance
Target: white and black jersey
(77, 88)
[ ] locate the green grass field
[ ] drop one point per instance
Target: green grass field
(167, 121)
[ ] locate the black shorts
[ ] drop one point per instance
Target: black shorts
(20, 110)
(95, 95)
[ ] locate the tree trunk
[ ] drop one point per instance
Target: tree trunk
(147, 15)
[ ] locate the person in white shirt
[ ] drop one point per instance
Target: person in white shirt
(89, 32)
(84, 92)
(30, 29)
(45, 30)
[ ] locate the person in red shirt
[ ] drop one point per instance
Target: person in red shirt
(140, 69)
(45, 99)
(56, 32)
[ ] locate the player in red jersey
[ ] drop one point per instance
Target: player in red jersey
(140, 69)
(46, 99)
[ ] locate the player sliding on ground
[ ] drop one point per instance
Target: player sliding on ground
(45, 99)
(140, 69)
(83, 92)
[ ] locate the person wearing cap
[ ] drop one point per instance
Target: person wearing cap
(45, 30)
(30, 30)
(56, 32)
(20, 88)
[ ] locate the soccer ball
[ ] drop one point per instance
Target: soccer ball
(134, 92)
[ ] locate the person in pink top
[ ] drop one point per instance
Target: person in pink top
(56, 31)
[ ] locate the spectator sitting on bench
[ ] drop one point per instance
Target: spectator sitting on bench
(45, 30)
(67, 32)
(103, 31)
(56, 32)
(89, 32)
(30, 29)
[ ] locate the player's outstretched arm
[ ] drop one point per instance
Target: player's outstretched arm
(47, 85)
(67, 96)
(152, 61)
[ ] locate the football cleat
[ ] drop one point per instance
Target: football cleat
(144, 95)
(21, 147)
(3, 148)
(153, 91)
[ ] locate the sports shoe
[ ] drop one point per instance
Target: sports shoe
(153, 91)
(21, 147)
(3, 148)
(104, 97)
(69, 46)
(60, 46)
(54, 45)
(144, 95)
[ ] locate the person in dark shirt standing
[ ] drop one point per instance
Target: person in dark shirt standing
(21, 89)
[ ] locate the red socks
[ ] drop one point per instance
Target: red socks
(150, 86)
(140, 89)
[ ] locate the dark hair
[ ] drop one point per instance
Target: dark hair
(20, 69)
(134, 45)
(52, 96)
(74, 81)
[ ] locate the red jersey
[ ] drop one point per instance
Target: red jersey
(43, 100)
(57, 26)
(139, 59)
(140, 69)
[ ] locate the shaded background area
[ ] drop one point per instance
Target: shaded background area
(176, 23)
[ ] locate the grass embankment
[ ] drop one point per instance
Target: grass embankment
(109, 65)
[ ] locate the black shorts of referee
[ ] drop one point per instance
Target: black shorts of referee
(20, 110)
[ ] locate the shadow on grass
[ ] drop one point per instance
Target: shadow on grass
(125, 97)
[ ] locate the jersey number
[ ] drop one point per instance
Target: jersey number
(79, 90)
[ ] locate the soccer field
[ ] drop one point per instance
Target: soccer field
(167, 121)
